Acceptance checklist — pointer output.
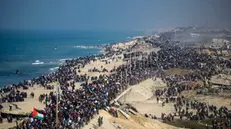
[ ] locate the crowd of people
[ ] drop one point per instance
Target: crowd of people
(194, 110)
(176, 57)
(78, 106)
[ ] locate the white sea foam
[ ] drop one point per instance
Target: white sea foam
(86, 47)
(136, 37)
(54, 68)
(62, 60)
(53, 63)
(37, 62)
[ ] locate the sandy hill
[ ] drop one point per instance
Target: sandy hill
(142, 91)
(141, 96)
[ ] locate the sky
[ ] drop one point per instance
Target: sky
(112, 14)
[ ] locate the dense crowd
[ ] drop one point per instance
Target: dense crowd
(204, 67)
(78, 106)
(194, 110)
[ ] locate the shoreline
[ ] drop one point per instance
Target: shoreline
(101, 52)
(110, 60)
(56, 67)
(98, 47)
(32, 84)
(156, 86)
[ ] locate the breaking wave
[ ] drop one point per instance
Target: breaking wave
(37, 62)
(87, 47)
(63, 60)
(54, 68)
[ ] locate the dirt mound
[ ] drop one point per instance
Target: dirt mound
(142, 91)
(141, 96)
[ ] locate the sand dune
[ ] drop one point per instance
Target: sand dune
(141, 96)
(142, 91)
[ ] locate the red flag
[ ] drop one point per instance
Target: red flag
(34, 112)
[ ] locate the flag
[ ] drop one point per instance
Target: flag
(40, 111)
(37, 115)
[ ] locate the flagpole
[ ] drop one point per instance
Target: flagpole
(130, 66)
(115, 59)
(142, 63)
(126, 76)
(121, 77)
(57, 106)
(150, 61)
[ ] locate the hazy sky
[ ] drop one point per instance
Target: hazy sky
(112, 14)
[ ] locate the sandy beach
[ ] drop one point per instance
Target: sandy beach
(141, 95)
(128, 90)
(29, 103)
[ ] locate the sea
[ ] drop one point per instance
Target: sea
(36, 53)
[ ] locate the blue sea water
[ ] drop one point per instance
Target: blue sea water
(19, 49)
